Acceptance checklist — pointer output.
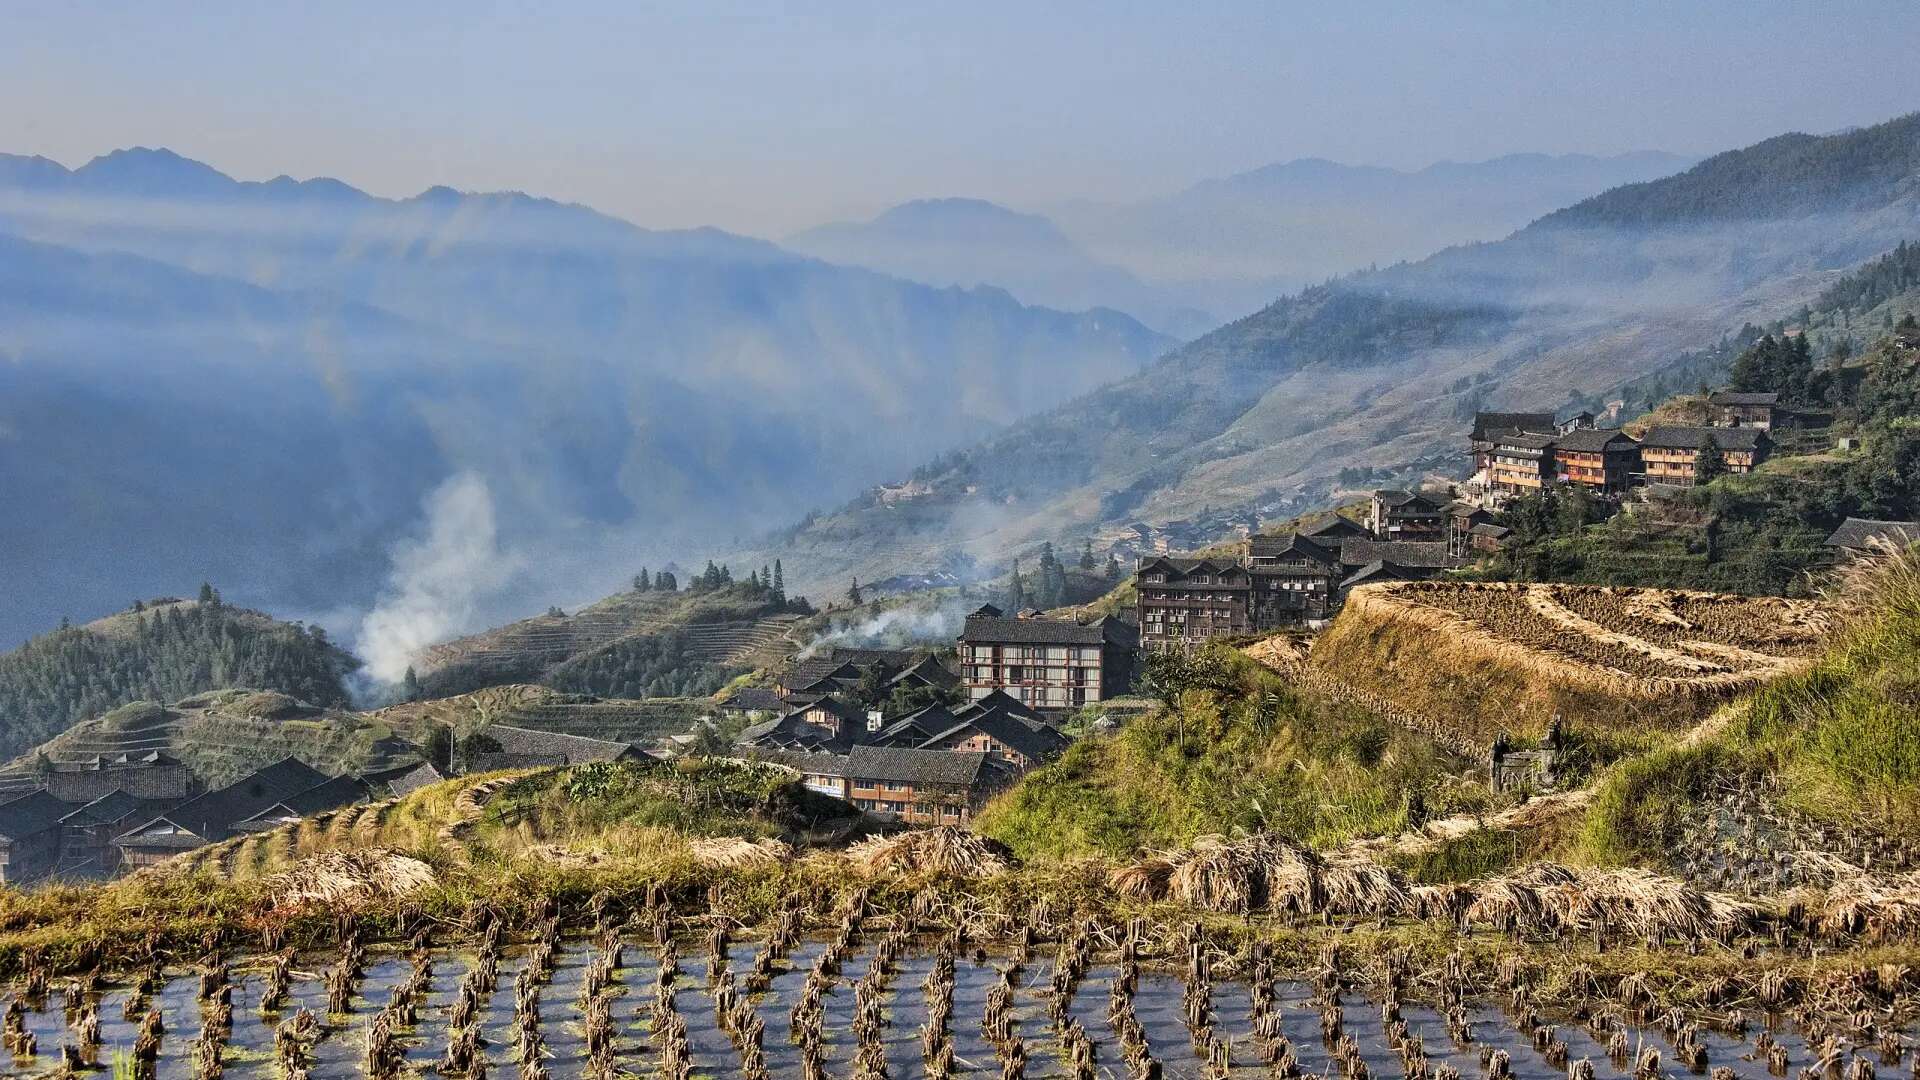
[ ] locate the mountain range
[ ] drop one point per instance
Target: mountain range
(1373, 378)
(321, 398)
(1188, 261)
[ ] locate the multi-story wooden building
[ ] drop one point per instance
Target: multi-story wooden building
(1490, 427)
(1043, 663)
(1407, 515)
(1520, 463)
(924, 787)
(1603, 460)
(1733, 408)
(1671, 455)
(30, 836)
(1187, 601)
(1293, 579)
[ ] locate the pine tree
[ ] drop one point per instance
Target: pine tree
(1709, 464)
(1113, 569)
(1086, 557)
(1016, 588)
(853, 593)
(642, 582)
(779, 577)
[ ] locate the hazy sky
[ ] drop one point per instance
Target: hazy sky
(764, 119)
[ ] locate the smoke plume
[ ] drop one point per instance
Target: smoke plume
(437, 579)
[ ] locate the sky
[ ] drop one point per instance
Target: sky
(765, 119)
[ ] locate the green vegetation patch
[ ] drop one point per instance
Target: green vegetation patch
(1234, 749)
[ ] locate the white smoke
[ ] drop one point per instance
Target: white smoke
(437, 579)
(913, 624)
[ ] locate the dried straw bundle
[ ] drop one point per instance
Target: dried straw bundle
(731, 852)
(947, 850)
(350, 878)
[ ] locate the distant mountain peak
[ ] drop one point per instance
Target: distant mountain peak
(154, 171)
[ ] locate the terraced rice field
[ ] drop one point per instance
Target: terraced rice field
(1474, 660)
(879, 998)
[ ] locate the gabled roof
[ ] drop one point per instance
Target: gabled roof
(1184, 567)
(1336, 529)
(1038, 743)
(1430, 554)
(1488, 424)
(1413, 501)
(914, 728)
(1488, 528)
(1278, 547)
(1373, 571)
(754, 699)
(337, 792)
(998, 700)
(211, 816)
(1527, 441)
(31, 814)
(1690, 438)
(128, 760)
(112, 807)
(819, 763)
(1736, 397)
(915, 766)
(1047, 631)
(929, 671)
(1594, 440)
(573, 749)
(421, 775)
(1856, 533)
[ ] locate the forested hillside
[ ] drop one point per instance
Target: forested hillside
(164, 650)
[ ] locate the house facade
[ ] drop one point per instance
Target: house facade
(1671, 455)
(1520, 463)
(1603, 460)
(1046, 664)
(1736, 409)
(1490, 427)
(1407, 515)
(1187, 601)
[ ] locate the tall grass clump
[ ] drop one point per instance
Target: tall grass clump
(1845, 735)
(1640, 804)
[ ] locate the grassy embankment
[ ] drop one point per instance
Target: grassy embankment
(1244, 754)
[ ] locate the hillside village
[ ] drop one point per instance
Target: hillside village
(929, 734)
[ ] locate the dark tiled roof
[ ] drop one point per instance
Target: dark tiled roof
(754, 699)
(1184, 567)
(570, 749)
(999, 701)
(915, 728)
(806, 761)
(421, 775)
(1336, 529)
(1414, 501)
(929, 671)
(337, 792)
(1488, 528)
(915, 766)
(212, 815)
(986, 628)
(1855, 533)
(1488, 424)
(1039, 743)
(1418, 553)
(132, 760)
(1594, 440)
(105, 810)
(1734, 397)
(1528, 442)
(1690, 438)
(1275, 547)
(1373, 571)
(31, 814)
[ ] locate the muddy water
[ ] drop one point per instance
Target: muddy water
(340, 1050)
